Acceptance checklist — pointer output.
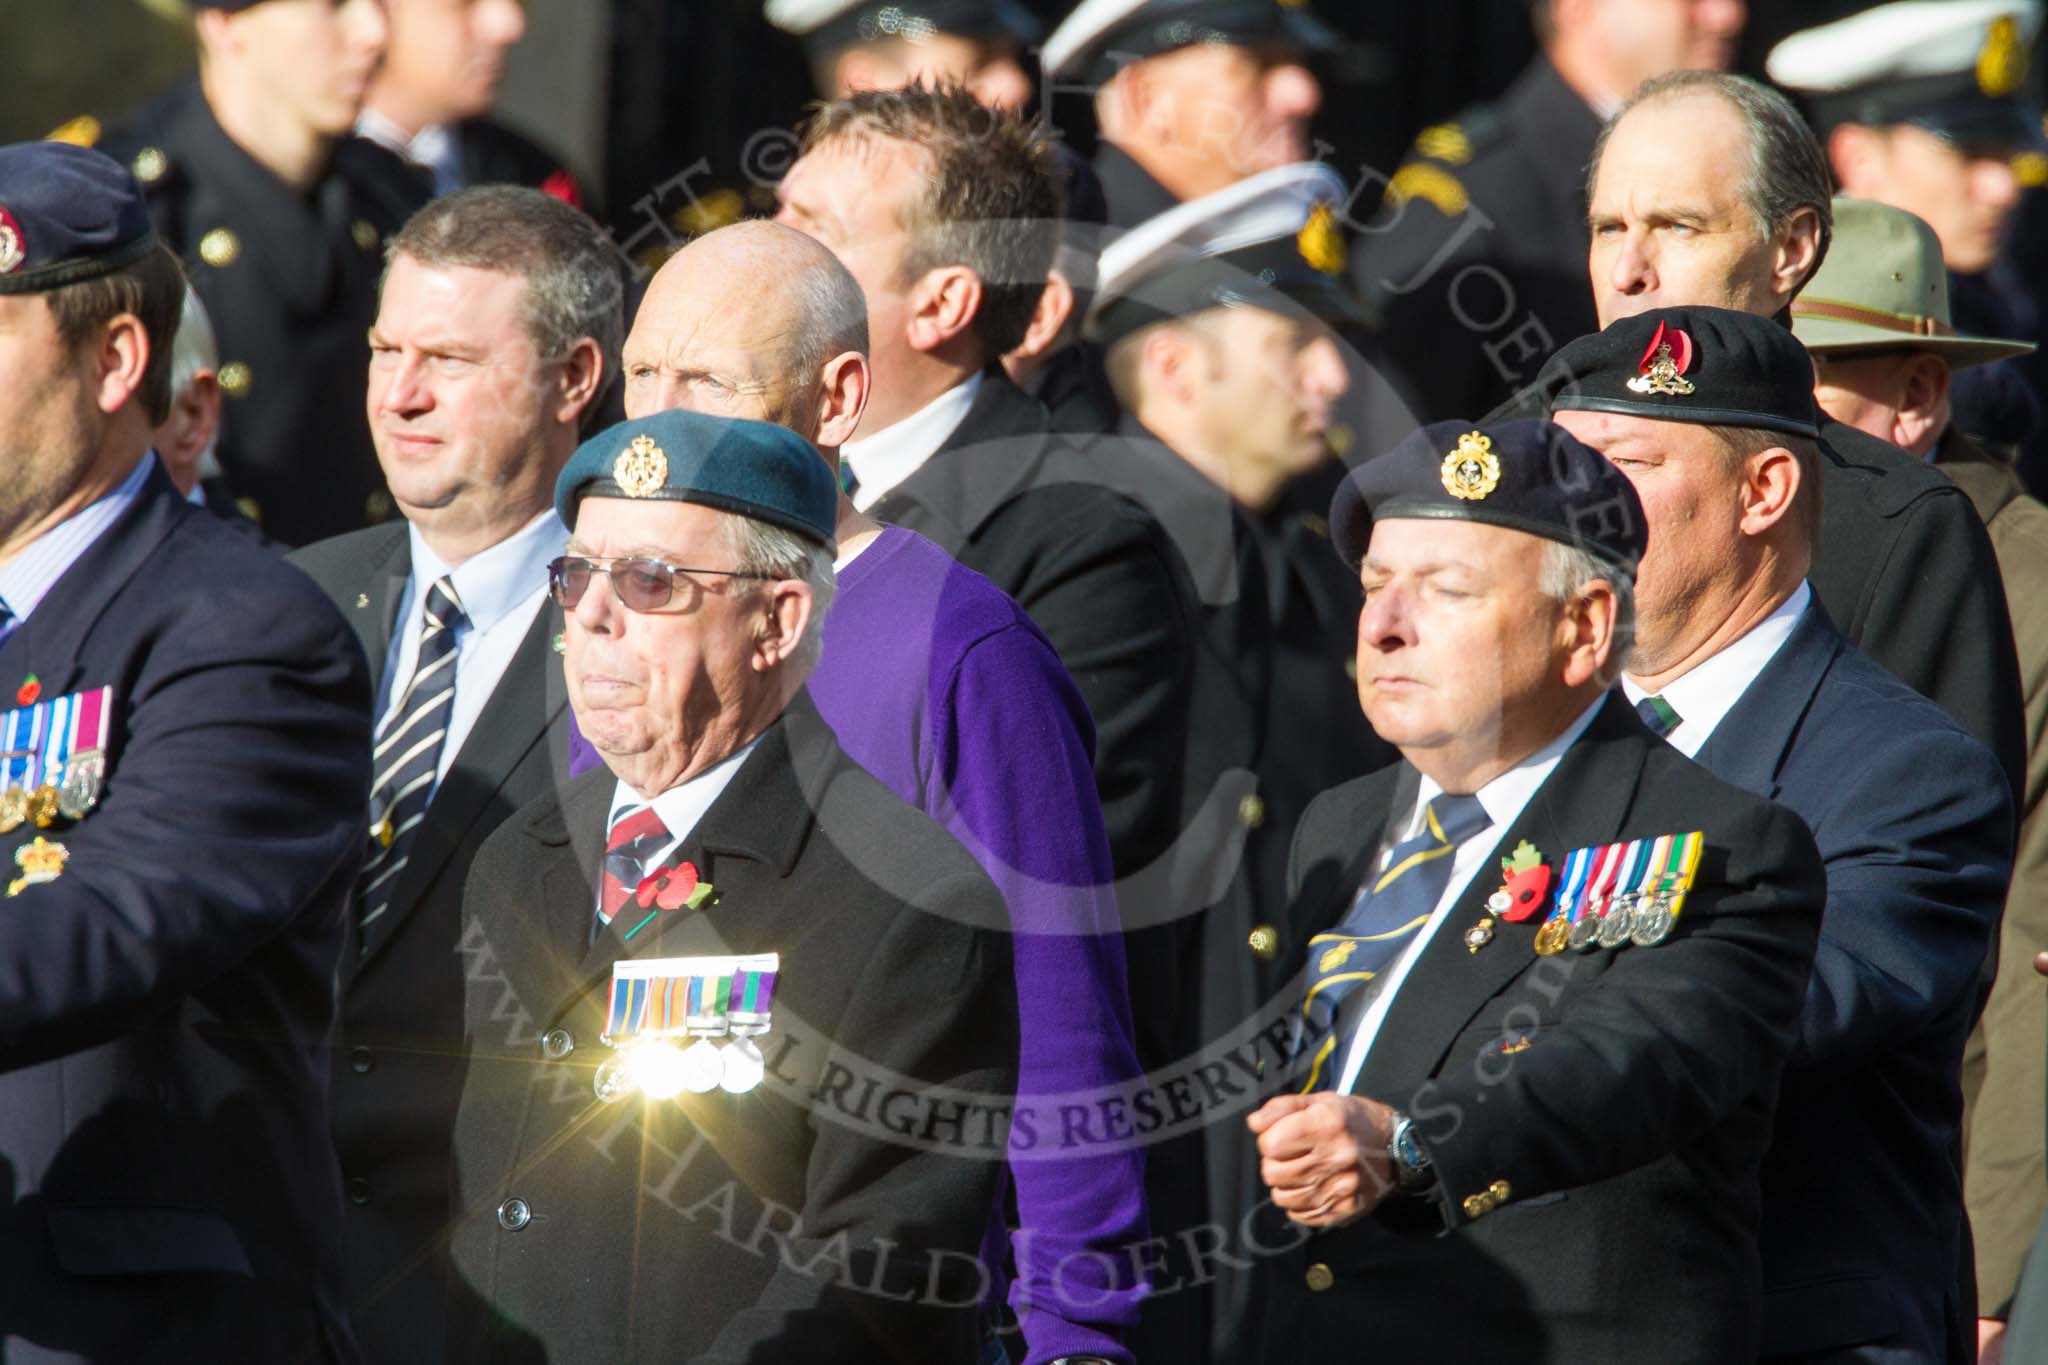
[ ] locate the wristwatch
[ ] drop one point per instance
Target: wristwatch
(1412, 1171)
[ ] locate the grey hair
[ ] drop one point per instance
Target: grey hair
(761, 547)
(194, 349)
(1568, 570)
(1788, 169)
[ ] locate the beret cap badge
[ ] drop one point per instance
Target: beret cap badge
(1665, 361)
(641, 469)
(12, 250)
(1472, 470)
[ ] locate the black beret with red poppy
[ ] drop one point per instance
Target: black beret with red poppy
(1710, 366)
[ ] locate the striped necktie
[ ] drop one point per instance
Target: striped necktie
(1660, 715)
(408, 753)
(1390, 907)
(8, 620)
(635, 838)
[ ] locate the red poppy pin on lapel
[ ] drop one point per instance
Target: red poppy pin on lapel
(670, 888)
(1525, 881)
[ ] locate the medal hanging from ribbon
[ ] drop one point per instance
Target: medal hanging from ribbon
(55, 758)
(1613, 895)
(1665, 900)
(657, 1000)
(1571, 890)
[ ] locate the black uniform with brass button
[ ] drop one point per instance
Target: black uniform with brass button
(1595, 1121)
(1476, 261)
(290, 281)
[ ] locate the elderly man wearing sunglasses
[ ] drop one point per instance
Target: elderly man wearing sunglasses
(726, 981)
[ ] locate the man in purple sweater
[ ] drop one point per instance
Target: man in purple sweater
(941, 687)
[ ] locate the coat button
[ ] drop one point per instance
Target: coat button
(1320, 1277)
(235, 379)
(1264, 942)
(556, 1044)
(514, 1215)
(358, 1191)
(1251, 811)
(220, 248)
(362, 1061)
(1476, 1206)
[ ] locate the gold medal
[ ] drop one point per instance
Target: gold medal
(42, 806)
(1553, 936)
(13, 809)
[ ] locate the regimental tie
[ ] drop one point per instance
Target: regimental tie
(408, 753)
(8, 620)
(1660, 715)
(1389, 909)
(629, 851)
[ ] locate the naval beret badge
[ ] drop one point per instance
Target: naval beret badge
(1665, 361)
(1472, 470)
(641, 469)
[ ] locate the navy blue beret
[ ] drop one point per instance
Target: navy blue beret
(67, 214)
(756, 469)
(1525, 475)
(1712, 366)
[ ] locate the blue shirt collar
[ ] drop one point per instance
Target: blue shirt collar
(26, 579)
(500, 579)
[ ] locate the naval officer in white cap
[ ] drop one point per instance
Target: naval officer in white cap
(861, 45)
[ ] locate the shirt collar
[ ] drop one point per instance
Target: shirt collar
(894, 453)
(683, 805)
(498, 581)
(1503, 798)
(26, 579)
(433, 146)
(1709, 689)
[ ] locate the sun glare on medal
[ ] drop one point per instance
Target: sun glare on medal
(659, 1069)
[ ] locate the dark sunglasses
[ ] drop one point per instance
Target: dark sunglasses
(642, 584)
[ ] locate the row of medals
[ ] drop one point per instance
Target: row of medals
(77, 794)
(1643, 918)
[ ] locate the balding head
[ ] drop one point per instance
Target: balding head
(753, 320)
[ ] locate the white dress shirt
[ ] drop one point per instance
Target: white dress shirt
(680, 807)
(434, 147)
(26, 579)
(1709, 689)
(1502, 799)
(894, 453)
(500, 590)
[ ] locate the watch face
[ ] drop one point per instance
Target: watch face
(1407, 1148)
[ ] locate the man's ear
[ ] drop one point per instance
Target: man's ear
(1171, 364)
(121, 358)
(583, 379)
(1770, 486)
(783, 619)
(1923, 407)
(1854, 154)
(1048, 319)
(1795, 253)
(943, 306)
(843, 388)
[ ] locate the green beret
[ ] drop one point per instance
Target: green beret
(756, 469)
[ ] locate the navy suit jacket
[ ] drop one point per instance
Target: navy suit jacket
(1862, 1208)
(167, 1188)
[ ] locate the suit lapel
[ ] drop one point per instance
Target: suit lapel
(50, 643)
(991, 456)
(1583, 802)
(1749, 745)
(521, 713)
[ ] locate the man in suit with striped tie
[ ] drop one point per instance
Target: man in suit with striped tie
(605, 1202)
(498, 328)
(1746, 672)
(1551, 968)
